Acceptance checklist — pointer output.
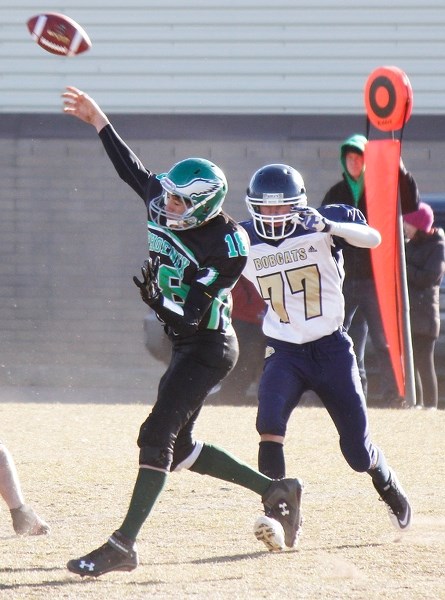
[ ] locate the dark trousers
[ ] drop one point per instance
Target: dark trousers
(425, 372)
(362, 315)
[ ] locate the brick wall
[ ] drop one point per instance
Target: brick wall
(73, 235)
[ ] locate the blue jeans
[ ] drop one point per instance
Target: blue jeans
(362, 315)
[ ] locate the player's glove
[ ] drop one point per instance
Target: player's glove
(312, 220)
(148, 287)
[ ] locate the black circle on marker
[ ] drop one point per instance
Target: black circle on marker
(382, 111)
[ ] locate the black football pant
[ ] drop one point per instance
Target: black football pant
(198, 363)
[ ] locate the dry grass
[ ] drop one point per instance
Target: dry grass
(78, 463)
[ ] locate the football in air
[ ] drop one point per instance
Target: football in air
(58, 34)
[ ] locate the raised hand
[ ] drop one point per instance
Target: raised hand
(80, 105)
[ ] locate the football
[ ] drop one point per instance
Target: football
(58, 34)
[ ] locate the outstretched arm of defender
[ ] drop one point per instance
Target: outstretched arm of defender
(356, 234)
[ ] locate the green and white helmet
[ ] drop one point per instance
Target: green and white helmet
(200, 184)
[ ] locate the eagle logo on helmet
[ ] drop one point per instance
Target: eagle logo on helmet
(192, 189)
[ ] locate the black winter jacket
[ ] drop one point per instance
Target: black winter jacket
(425, 267)
(358, 260)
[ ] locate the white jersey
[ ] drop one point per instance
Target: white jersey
(300, 277)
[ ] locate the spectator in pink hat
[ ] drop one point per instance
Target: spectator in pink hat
(425, 267)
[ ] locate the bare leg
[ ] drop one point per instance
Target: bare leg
(24, 520)
(10, 488)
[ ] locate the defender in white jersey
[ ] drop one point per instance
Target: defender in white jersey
(296, 264)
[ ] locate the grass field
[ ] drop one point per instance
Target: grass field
(78, 463)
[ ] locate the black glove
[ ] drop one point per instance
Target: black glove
(148, 287)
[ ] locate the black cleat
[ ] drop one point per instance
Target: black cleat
(114, 555)
(397, 503)
(282, 502)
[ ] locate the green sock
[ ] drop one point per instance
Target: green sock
(149, 484)
(218, 463)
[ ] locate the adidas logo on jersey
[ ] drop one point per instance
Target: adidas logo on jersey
(312, 249)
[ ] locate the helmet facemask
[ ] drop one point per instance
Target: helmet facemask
(173, 220)
(274, 226)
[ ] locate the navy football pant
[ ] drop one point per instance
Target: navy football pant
(328, 367)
